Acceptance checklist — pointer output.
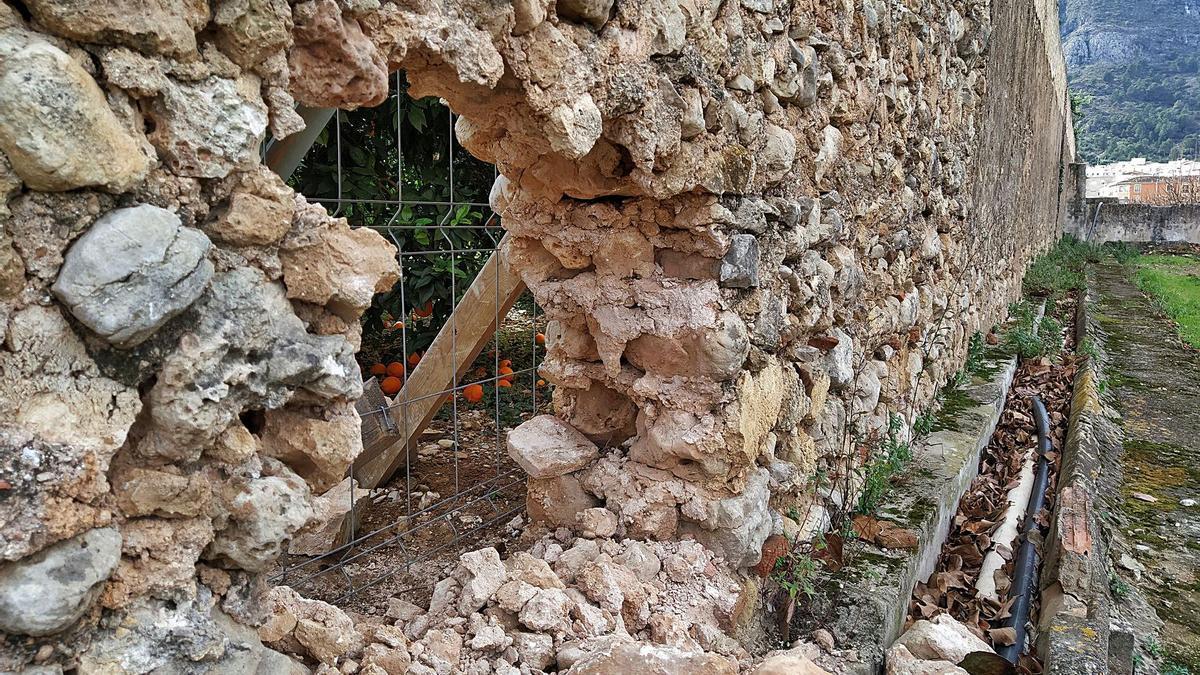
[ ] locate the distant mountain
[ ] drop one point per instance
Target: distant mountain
(1139, 63)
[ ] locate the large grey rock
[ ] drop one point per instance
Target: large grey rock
(739, 267)
(737, 526)
(250, 351)
(50, 590)
(132, 271)
(55, 125)
(547, 447)
(182, 637)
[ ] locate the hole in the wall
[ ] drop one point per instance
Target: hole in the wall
(625, 164)
(254, 420)
(149, 125)
(21, 9)
(146, 385)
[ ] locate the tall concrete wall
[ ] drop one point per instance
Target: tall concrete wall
(760, 228)
(1102, 221)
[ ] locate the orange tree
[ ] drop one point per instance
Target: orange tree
(402, 172)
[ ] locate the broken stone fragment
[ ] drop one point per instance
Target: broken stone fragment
(50, 590)
(332, 63)
(260, 515)
(737, 526)
(901, 662)
(619, 657)
(320, 535)
(56, 126)
(547, 447)
(557, 500)
(317, 448)
(596, 522)
(209, 128)
(309, 627)
(332, 265)
(942, 638)
(548, 609)
(595, 12)
(156, 27)
(142, 492)
(249, 32)
(481, 574)
(739, 267)
(575, 127)
(132, 271)
(791, 662)
(250, 220)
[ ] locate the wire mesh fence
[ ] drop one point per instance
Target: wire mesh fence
(449, 356)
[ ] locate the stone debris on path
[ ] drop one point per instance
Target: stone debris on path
(581, 605)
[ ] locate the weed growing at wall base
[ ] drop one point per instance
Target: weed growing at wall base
(1060, 270)
(1028, 338)
(888, 462)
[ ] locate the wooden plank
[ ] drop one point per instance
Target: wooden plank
(467, 330)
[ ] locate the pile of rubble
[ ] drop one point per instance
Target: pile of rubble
(582, 603)
(576, 604)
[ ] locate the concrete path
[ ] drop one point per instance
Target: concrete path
(1155, 384)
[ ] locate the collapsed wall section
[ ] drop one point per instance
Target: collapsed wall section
(758, 227)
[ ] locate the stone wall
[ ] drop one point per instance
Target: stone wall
(177, 374)
(1100, 221)
(759, 228)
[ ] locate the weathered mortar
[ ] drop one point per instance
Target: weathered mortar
(749, 222)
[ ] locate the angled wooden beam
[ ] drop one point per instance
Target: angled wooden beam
(473, 322)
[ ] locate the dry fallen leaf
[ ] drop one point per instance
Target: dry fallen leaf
(1003, 636)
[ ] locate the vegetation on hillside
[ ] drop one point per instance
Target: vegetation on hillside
(1139, 108)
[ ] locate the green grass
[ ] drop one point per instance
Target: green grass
(1060, 269)
(1176, 293)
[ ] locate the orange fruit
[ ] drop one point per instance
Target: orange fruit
(540, 338)
(506, 363)
(473, 393)
(390, 385)
(505, 371)
(414, 358)
(425, 311)
(504, 383)
(395, 369)
(378, 369)
(541, 383)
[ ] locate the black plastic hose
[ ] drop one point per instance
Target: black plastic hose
(1025, 571)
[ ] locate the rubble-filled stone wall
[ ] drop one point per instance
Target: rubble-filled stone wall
(177, 327)
(759, 227)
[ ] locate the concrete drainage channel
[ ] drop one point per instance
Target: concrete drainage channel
(865, 604)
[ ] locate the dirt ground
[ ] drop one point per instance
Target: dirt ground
(463, 492)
